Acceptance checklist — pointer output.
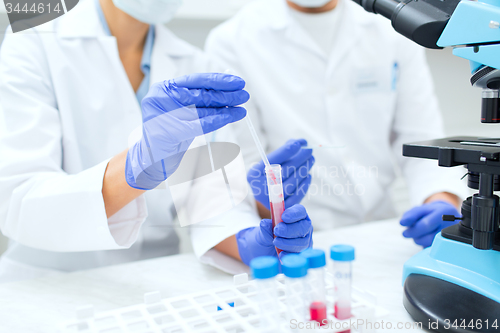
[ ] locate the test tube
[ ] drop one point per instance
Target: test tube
(316, 285)
(342, 256)
(275, 189)
(264, 270)
(294, 267)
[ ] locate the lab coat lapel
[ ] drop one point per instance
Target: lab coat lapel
(349, 32)
(111, 49)
(83, 23)
(166, 50)
(296, 34)
(292, 29)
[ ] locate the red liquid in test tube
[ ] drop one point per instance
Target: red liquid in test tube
(318, 312)
(277, 209)
(342, 313)
(316, 299)
(276, 199)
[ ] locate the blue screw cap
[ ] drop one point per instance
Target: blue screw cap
(315, 257)
(294, 266)
(342, 252)
(264, 267)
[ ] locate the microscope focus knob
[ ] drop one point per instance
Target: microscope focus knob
(484, 224)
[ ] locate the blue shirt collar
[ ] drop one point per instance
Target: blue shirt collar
(146, 53)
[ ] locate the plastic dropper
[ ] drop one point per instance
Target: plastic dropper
(255, 137)
(257, 141)
(260, 148)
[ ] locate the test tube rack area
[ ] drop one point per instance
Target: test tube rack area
(223, 310)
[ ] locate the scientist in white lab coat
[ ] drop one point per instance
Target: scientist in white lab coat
(329, 72)
(70, 190)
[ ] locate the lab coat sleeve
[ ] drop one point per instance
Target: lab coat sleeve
(222, 49)
(41, 205)
(208, 233)
(418, 118)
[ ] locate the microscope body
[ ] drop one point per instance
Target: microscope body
(457, 279)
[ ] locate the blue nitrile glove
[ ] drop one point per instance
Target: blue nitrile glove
(295, 164)
(293, 235)
(174, 112)
(425, 221)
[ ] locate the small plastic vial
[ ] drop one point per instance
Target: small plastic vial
(342, 256)
(264, 270)
(316, 261)
(294, 268)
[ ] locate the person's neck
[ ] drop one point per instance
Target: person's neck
(130, 33)
(323, 9)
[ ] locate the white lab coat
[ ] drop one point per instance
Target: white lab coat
(69, 107)
(369, 96)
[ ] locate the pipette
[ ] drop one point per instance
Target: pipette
(252, 130)
(274, 181)
(257, 141)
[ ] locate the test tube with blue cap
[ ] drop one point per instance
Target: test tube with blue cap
(294, 268)
(342, 256)
(316, 261)
(264, 270)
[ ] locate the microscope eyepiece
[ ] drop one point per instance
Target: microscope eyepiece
(422, 21)
(385, 8)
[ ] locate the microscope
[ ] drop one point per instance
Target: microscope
(454, 286)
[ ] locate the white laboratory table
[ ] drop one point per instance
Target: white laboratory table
(40, 305)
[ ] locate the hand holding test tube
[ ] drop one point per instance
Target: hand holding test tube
(296, 163)
(251, 241)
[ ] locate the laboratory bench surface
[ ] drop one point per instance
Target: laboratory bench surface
(42, 304)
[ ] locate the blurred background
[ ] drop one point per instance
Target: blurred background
(460, 103)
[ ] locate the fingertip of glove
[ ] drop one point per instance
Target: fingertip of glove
(236, 81)
(293, 214)
(303, 142)
(245, 96)
(405, 223)
(294, 146)
(266, 223)
(238, 113)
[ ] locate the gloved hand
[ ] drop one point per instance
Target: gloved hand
(293, 235)
(295, 164)
(425, 221)
(174, 112)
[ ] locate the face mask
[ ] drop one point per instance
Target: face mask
(150, 11)
(310, 3)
